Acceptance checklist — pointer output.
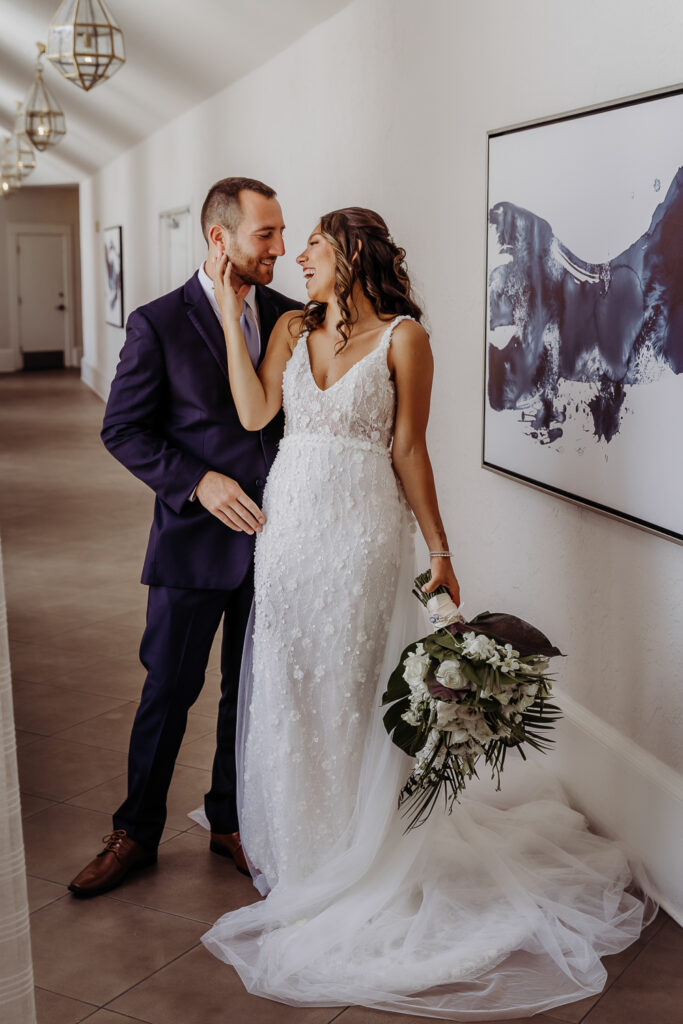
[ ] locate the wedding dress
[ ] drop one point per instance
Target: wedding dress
(484, 913)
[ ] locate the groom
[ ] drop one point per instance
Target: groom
(171, 421)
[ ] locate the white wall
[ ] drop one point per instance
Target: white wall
(387, 105)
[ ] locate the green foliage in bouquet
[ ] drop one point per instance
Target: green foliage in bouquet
(469, 690)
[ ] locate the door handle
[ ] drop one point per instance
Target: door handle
(60, 306)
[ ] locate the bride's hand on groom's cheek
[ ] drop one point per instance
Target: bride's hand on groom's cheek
(224, 498)
(229, 300)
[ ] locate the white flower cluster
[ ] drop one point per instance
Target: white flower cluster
(465, 725)
(416, 666)
(420, 771)
(478, 647)
(467, 697)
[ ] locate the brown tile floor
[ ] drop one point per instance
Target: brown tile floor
(74, 527)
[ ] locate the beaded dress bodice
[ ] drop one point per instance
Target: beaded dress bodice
(360, 405)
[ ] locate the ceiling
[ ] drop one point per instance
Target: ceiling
(178, 53)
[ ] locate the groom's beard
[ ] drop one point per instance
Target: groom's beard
(249, 268)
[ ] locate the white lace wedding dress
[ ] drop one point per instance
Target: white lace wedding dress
(485, 913)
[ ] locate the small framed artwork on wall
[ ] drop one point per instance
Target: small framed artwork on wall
(113, 258)
(584, 313)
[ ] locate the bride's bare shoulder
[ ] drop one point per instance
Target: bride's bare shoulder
(409, 332)
(409, 346)
(288, 328)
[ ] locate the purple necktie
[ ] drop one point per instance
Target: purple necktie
(251, 335)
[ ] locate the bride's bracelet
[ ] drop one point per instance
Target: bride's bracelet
(441, 554)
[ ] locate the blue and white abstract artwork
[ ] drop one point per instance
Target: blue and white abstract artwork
(584, 339)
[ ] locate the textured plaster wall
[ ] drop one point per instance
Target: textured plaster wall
(387, 105)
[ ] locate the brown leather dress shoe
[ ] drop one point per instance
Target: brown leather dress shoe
(120, 856)
(229, 844)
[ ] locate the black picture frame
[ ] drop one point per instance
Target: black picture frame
(583, 360)
(113, 271)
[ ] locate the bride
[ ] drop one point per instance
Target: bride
(487, 912)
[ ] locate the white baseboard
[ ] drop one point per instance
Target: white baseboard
(10, 360)
(95, 380)
(626, 793)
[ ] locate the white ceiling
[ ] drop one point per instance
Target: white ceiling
(178, 53)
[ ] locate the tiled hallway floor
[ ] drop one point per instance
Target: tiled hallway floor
(74, 527)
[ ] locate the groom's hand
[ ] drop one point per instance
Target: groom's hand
(224, 498)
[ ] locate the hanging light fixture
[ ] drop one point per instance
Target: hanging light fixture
(13, 161)
(25, 153)
(41, 118)
(84, 42)
(7, 187)
(9, 177)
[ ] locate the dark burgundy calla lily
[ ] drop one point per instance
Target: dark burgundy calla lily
(441, 692)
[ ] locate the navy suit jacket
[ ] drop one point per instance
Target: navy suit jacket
(171, 417)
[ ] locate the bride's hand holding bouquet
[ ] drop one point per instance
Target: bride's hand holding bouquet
(442, 575)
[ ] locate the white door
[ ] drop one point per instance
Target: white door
(43, 293)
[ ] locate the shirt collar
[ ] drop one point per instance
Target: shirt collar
(207, 285)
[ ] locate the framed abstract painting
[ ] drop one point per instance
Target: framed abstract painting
(113, 276)
(584, 318)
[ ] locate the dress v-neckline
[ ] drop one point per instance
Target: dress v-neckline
(323, 391)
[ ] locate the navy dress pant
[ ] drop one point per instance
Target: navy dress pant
(175, 648)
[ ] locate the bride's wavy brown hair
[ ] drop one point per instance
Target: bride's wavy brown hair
(365, 253)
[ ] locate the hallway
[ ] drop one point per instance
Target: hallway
(74, 527)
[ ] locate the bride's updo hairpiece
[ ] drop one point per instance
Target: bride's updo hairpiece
(365, 253)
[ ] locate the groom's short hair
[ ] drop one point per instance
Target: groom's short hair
(222, 203)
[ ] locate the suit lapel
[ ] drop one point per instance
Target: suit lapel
(205, 321)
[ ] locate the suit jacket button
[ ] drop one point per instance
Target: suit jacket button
(259, 483)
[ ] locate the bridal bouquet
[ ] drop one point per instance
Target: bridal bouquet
(469, 690)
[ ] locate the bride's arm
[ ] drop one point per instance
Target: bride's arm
(412, 365)
(257, 395)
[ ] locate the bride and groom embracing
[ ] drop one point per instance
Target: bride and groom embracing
(487, 912)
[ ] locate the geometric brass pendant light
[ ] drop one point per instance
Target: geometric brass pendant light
(9, 175)
(25, 153)
(84, 42)
(40, 116)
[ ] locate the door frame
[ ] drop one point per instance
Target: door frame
(11, 359)
(164, 217)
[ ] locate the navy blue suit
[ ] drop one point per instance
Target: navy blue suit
(170, 418)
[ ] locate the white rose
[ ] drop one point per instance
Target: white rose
(416, 665)
(446, 714)
(450, 674)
